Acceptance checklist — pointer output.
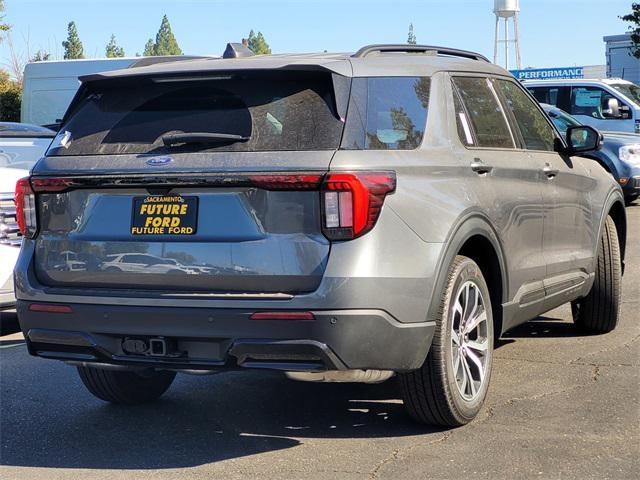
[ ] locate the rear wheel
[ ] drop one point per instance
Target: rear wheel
(126, 387)
(450, 387)
(598, 312)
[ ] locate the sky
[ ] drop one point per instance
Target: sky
(554, 33)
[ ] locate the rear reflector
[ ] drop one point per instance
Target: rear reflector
(50, 308)
(282, 316)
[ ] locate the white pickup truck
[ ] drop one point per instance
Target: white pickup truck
(610, 105)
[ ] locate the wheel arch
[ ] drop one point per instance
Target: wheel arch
(614, 207)
(474, 237)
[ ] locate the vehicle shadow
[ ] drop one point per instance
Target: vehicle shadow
(200, 420)
(544, 327)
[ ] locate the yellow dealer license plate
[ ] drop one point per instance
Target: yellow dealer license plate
(164, 215)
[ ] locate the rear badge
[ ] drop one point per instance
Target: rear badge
(155, 161)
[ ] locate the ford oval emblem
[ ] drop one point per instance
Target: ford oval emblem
(155, 161)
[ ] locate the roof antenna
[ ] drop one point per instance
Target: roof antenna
(237, 50)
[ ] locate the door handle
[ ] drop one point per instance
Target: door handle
(549, 171)
(480, 167)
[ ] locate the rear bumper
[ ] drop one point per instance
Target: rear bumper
(212, 339)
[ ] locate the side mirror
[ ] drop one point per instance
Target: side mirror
(613, 109)
(583, 138)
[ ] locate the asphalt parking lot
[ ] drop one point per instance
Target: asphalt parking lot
(561, 405)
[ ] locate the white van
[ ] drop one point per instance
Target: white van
(611, 105)
(50, 86)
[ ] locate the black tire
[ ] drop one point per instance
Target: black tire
(598, 312)
(432, 394)
(629, 200)
(126, 387)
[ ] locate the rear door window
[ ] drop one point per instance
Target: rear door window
(536, 132)
(485, 113)
(275, 110)
(387, 113)
(548, 95)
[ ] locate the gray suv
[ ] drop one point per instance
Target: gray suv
(341, 218)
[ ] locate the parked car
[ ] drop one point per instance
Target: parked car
(611, 105)
(394, 212)
(619, 155)
(21, 145)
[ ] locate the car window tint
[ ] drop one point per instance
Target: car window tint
(485, 112)
(277, 110)
(546, 95)
(387, 113)
(534, 127)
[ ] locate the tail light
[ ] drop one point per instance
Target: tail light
(351, 202)
(26, 208)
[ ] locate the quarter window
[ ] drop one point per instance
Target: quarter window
(486, 115)
(387, 113)
(536, 132)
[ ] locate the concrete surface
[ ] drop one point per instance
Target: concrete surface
(561, 405)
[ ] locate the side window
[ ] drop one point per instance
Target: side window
(548, 95)
(486, 115)
(534, 127)
(589, 101)
(387, 113)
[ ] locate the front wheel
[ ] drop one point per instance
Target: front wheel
(598, 312)
(126, 387)
(450, 387)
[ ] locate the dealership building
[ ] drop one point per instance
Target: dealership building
(620, 64)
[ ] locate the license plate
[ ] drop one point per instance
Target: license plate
(164, 215)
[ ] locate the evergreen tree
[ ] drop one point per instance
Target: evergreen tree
(149, 49)
(40, 56)
(113, 50)
(166, 43)
(72, 45)
(634, 19)
(257, 43)
(411, 38)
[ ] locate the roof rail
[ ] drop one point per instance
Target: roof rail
(428, 49)
(146, 61)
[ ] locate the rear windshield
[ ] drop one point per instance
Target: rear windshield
(273, 110)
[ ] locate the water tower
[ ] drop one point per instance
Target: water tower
(507, 10)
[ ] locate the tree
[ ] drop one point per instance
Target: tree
(10, 97)
(113, 50)
(40, 56)
(257, 44)
(72, 45)
(149, 49)
(165, 44)
(411, 37)
(4, 27)
(634, 19)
